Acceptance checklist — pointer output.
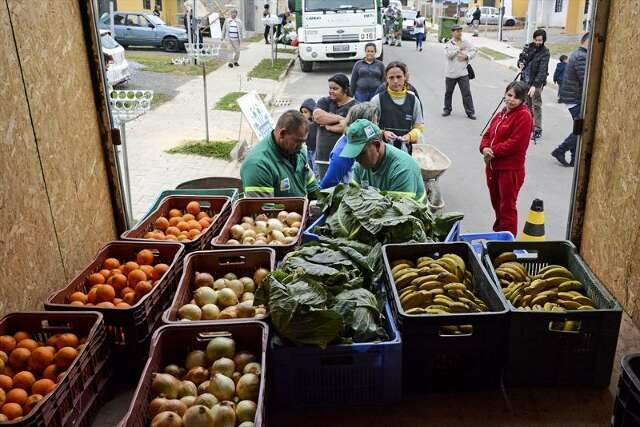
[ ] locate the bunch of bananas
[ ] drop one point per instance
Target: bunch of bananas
(553, 289)
(436, 286)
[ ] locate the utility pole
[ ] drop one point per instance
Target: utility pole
(531, 20)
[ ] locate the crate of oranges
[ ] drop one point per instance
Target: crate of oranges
(131, 284)
(53, 368)
(189, 219)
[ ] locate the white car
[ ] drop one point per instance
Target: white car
(117, 67)
(490, 16)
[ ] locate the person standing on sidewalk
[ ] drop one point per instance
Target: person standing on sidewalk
(459, 53)
(266, 16)
(389, 17)
(558, 75)
(571, 94)
(397, 27)
(534, 64)
(419, 25)
(234, 32)
(367, 75)
(476, 20)
(307, 108)
(504, 149)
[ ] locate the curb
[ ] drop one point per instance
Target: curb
(269, 99)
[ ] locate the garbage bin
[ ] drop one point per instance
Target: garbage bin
(444, 28)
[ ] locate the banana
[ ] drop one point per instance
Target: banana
(432, 269)
(447, 278)
(586, 308)
(468, 276)
(443, 298)
(526, 300)
(405, 298)
(570, 285)
(439, 307)
(505, 257)
(504, 275)
(538, 300)
(434, 292)
(406, 290)
(402, 261)
(455, 293)
(459, 261)
(516, 266)
(505, 283)
(413, 301)
(416, 310)
(467, 301)
(516, 274)
(435, 311)
(424, 259)
(582, 300)
(405, 280)
(568, 304)
(459, 307)
(555, 282)
(399, 267)
(450, 286)
(558, 309)
(427, 286)
(423, 279)
(557, 272)
(552, 295)
(448, 264)
(549, 267)
(574, 294)
(567, 295)
(537, 307)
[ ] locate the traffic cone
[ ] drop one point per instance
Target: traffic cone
(534, 227)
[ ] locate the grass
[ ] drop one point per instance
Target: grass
(162, 64)
(558, 49)
(494, 54)
(229, 102)
(289, 51)
(254, 38)
(160, 98)
(264, 70)
(217, 149)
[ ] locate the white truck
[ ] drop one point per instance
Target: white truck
(336, 30)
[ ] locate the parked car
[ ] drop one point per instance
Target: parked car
(144, 29)
(490, 16)
(408, 25)
(117, 67)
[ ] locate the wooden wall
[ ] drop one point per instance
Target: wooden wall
(54, 196)
(611, 230)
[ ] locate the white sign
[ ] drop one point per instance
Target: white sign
(214, 23)
(256, 114)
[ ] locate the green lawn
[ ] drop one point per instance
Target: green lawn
(264, 70)
(229, 102)
(493, 54)
(289, 51)
(558, 49)
(217, 149)
(162, 64)
(160, 98)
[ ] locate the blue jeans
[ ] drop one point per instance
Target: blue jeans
(365, 95)
(419, 40)
(571, 141)
(311, 158)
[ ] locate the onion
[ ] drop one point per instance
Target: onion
(292, 218)
(247, 424)
(274, 224)
(282, 216)
(222, 387)
(289, 239)
(249, 241)
(259, 275)
(232, 242)
(224, 366)
(246, 410)
(248, 220)
(229, 313)
(210, 312)
(261, 227)
(203, 279)
(166, 419)
(157, 405)
(259, 242)
(292, 231)
(204, 296)
(203, 387)
(246, 226)
(190, 312)
(275, 243)
(297, 225)
(227, 297)
(252, 368)
(246, 310)
(262, 217)
(261, 311)
(165, 385)
(224, 415)
(277, 235)
(237, 287)
(174, 370)
(248, 284)
(237, 231)
(236, 377)
(207, 399)
(177, 406)
(221, 347)
(230, 276)
(198, 416)
(242, 359)
(248, 233)
(248, 387)
(247, 296)
(197, 375)
(189, 401)
(187, 388)
(196, 358)
(220, 284)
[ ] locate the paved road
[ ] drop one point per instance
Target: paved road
(463, 185)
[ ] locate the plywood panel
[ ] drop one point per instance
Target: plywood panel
(31, 265)
(611, 236)
(57, 76)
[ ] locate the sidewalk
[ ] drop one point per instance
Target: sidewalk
(152, 170)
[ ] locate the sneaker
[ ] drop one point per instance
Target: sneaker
(559, 156)
(230, 65)
(446, 113)
(537, 134)
(420, 49)
(236, 64)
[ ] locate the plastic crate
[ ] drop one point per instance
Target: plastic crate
(627, 407)
(79, 394)
(551, 357)
(269, 206)
(218, 263)
(309, 234)
(340, 375)
(171, 344)
(128, 329)
(477, 240)
(445, 361)
(215, 205)
(231, 193)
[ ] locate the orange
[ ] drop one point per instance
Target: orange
(116, 301)
(161, 223)
(118, 281)
(193, 208)
(129, 298)
(28, 343)
(105, 304)
(193, 224)
(78, 296)
(24, 380)
(145, 257)
(129, 267)
(125, 291)
(77, 303)
(12, 410)
(123, 304)
(188, 217)
(204, 223)
(193, 233)
(111, 263)
(160, 269)
(175, 212)
(19, 358)
(17, 395)
(92, 296)
(174, 221)
(7, 343)
(31, 402)
(147, 269)
(183, 226)
(67, 340)
(104, 293)
(96, 279)
(50, 372)
(65, 356)
(136, 276)
(22, 335)
(43, 387)
(6, 382)
(201, 215)
(174, 231)
(143, 288)
(40, 358)
(105, 273)
(170, 237)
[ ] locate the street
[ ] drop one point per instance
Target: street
(463, 185)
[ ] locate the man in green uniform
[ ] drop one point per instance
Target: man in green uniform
(277, 166)
(381, 165)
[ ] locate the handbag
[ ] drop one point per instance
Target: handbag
(471, 71)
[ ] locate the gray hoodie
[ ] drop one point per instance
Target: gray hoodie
(310, 105)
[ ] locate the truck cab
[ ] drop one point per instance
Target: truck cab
(336, 30)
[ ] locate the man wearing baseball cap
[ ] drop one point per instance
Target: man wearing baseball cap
(381, 165)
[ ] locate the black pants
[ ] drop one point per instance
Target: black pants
(278, 30)
(465, 89)
(267, 30)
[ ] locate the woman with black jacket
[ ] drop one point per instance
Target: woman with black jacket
(534, 65)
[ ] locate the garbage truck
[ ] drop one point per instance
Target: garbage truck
(337, 30)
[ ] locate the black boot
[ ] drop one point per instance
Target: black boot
(559, 155)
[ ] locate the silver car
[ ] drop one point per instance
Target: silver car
(490, 16)
(144, 29)
(117, 67)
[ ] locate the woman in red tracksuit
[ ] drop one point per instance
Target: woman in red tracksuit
(504, 147)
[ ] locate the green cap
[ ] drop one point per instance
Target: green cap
(358, 135)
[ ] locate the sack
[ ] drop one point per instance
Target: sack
(472, 73)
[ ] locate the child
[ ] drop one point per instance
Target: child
(558, 75)
(307, 110)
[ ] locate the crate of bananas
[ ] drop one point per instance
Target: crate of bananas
(563, 323)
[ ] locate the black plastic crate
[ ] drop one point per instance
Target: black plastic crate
(435, 360)
(541, 355)
(627, 408)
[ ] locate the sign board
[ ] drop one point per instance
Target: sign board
(214, 25)
(256, 114)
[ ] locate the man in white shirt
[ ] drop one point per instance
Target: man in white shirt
(459, 53)
(233, 31)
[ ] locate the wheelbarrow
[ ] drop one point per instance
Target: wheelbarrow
(433, 164)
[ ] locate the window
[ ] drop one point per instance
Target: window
(133, 21)
(159, 4)
(559, 6)
(146, 4)
(586, 6)
(117, 19)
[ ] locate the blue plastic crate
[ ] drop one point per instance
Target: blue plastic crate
(308, 235)
(477, 239)
(340, 375)
(232, 193)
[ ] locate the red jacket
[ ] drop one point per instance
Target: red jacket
(508, 136)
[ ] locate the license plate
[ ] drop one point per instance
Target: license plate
(341, 48)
